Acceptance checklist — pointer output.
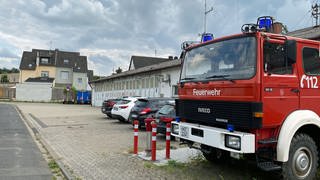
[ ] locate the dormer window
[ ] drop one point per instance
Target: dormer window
(44, 60)
(66, 61)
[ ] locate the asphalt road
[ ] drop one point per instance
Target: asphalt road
(20, 157)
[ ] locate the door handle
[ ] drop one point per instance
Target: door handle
(295, 90)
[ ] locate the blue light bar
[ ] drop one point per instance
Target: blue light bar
(206, 37)
(265, 22)
(178, 119)
(230, 127)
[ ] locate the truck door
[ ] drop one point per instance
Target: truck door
(280, 85)
(309, 76)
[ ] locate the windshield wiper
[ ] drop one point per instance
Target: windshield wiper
(221, 76)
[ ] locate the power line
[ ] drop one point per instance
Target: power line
(302, 19)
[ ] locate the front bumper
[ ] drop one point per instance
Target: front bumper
(214, 137)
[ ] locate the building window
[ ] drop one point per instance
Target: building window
(66, 61)
(80, 80)
(174, 90)
(44, 73)
(64, 75)
(44, 60)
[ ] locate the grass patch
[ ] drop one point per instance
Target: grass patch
(54, 166)
(148, 165)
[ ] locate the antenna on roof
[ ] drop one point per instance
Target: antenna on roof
(316, 12)
(50, 45)
(205, 16)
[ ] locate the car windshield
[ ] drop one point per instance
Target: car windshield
(228, 59)
(165, 109)
(141, 103)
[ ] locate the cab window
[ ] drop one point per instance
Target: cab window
(275, 60)
(311, 61)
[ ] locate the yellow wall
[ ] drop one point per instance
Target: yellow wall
(25, 74)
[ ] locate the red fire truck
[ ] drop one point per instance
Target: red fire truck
(255, 93)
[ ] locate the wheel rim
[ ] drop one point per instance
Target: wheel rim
(302, 162)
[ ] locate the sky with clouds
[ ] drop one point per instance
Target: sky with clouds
(109, 32)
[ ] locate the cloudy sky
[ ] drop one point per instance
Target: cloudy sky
(108, 32)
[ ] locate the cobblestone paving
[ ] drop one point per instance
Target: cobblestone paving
(90, 144)
(95, 147)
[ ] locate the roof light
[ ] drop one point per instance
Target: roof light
(248, 28)
(206, 37)
(265, 22)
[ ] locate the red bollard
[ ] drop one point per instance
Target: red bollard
(135, 139)
(154, 141)
(168, 135)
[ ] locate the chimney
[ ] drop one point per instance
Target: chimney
(56, 56)
(37, 58)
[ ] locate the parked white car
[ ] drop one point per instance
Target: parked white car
(122, 109)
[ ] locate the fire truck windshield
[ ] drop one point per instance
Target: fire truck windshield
(224, 60)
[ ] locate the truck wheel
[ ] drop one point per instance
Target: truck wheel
(214, 154)
(303, 159)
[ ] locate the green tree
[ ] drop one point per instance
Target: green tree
(119, 70)
(70, 94)
(4, 79)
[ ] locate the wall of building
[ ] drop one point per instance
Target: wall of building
(80, 85)
(60, 80)
(169, 81)
(7, 91)
(34, 92)
(25, 74)
(158, 83)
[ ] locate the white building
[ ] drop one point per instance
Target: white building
(157, 80)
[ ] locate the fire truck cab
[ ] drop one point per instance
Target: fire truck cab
(255, 93)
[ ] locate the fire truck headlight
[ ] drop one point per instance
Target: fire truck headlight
(175, 129)
(233, 142)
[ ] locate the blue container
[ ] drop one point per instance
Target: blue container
(84, 97)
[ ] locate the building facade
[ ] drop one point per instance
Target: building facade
(67, 69)
(157, 80)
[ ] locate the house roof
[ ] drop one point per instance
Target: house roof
(167, 64)
(307, 33)
(137, 62)
(40, 79)
(56, 58)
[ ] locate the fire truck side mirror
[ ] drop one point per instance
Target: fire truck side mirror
(291, 52)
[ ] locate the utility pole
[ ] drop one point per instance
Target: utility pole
(316, 12)
(205, 16)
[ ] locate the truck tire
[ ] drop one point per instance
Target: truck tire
(303, 159)
(214, 155)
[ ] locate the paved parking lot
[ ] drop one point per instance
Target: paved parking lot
(93, 146)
